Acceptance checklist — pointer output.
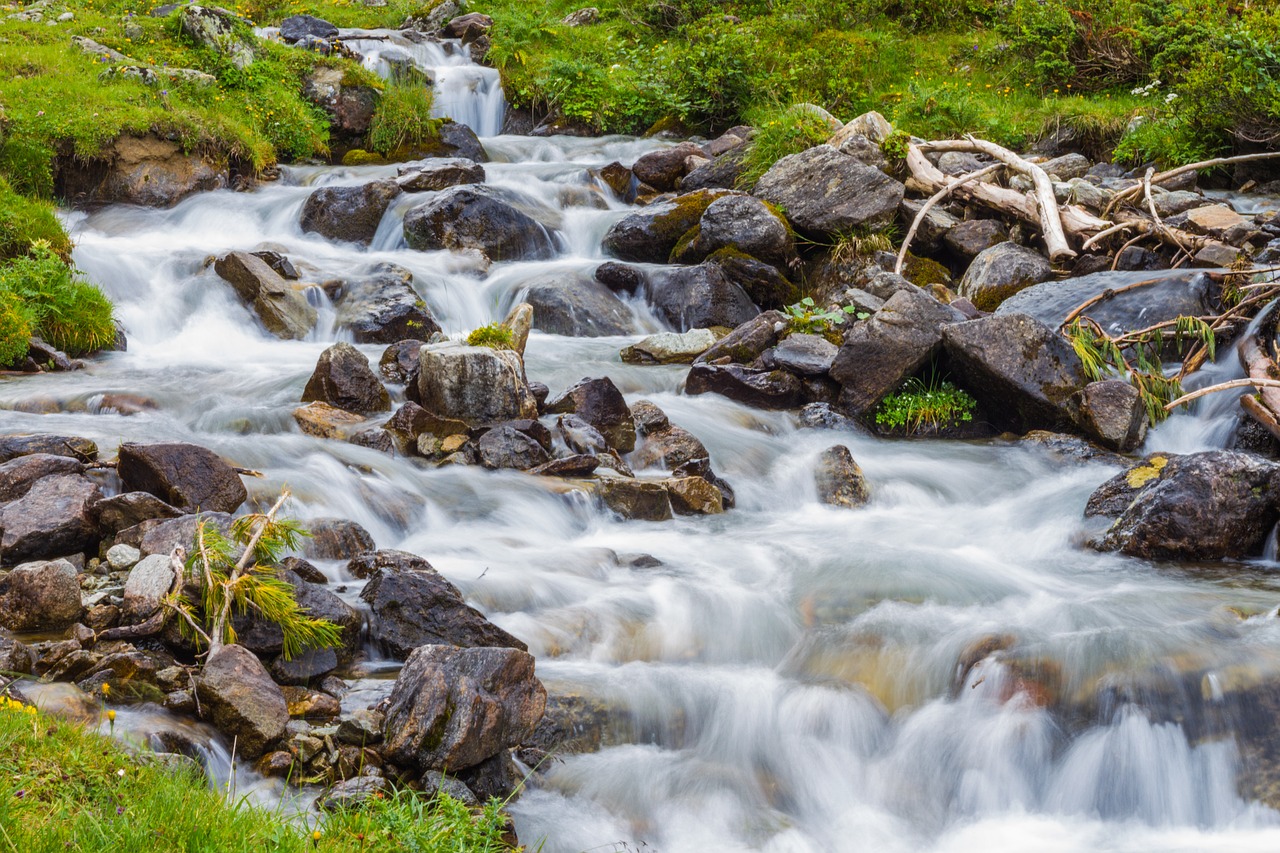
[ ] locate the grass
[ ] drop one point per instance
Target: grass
(403, 119)
(47, 298)
(65, 788)
(929, 405)
(494, 336)
(779, 133)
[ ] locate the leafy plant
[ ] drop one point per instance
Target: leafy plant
(237, 576)
(494, 336)
(804, 317)
(895, 145)
(64, 310)
(919, 405)
(15, 331)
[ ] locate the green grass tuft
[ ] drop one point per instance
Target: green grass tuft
(64, 310)
(494, 336)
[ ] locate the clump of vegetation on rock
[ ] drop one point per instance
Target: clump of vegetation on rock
(48, 299)
(805, 317)
(403, 118)
(920, 405)
(494, 336)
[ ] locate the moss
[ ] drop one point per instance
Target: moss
(1145, 473)
(360, 157)
(494, 336)
(670, 226)
(923, 272)
(681, 254)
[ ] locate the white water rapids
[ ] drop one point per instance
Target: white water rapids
(787, 679)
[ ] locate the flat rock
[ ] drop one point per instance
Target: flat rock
(825, 192)
(183, 475)
(55, 518)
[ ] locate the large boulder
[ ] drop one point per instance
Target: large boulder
(743, 224)
(599, 403)
(825, 192)
(699, 297)
(577, 305)
(55, 518)
(185, 476)
(351, 214)
(882, 352)
(13, 446)
(761, 389)
(384, 308)
(17, 476)
(1001, 271)
(436, 175)
(343, 378)
(476, 217)
(663, 169)
(451, 709)
(219, 31)
(1204, 506)
(1024, 374)
(649, 235)
(40, 597)
(281, 306)
(636, 500)
(238, 696)
(477, 385)
(412, 605)
(1166, 294)
(146, 170)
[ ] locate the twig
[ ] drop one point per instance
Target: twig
(1126, 194)
(1104, 234)
(933, 200)
(1223, 386)
(248, 472)
(1116, 261)
(1155, 217)
(1105, 295)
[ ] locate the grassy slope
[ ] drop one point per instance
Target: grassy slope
(62, 788)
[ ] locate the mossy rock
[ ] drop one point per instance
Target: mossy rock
(923, 272)
(360, 157)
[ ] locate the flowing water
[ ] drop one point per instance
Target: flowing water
(788, 678)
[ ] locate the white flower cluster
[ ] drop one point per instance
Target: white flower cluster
(1150, 88)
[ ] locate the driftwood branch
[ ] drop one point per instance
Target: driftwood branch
(1222, 386)
(1104, 234)
(1163, 177)
(933, 200)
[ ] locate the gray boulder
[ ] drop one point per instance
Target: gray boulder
(477, 385)
(13, 446)
(335, 539)
(436, 175)
(298, 27)
(17, 476)
(1001, 271)
(663, 169)
(1169, 294)
(42, 596)
(507, 447)
(649, 235)
(282, 307)
(669, 347)
(146, 587)
(600, 404)
(1112, 413)
(699, 297)
(576, 305)
(343, 378)
(182, 475)
(399, 362)
(220, 31)
(54, 518)
(741, 223)
(476, 217)
(384, 308)
(748, 341)
(971, 238)
(803, 355)
(351, 214)
(825, 192)
(238, 696)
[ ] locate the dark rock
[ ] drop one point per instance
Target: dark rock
(669, 446)
(933, 229)
(238, 696)
(580, 436)
(453, 708)
(433, 782)
(344, 379)
(296, 27)
(823, 416)
(576, 305)
(1170, 294)
(13, 446)
(318, 601)
(975, 236)
(648, 417)
(183, 475)
(1068, 166)
(281, 307)
(722, 172)
(507, 447)
(748, 341)
(619, 278)
(15, 656)
(497, 777)
(569, 466)
(663, 169)
(40, 597)
(599, 403)
(839, 479)
(336, 539)
(350, 108)
(1112, 412)
(413, 605)
(350, 214)
(826, 192)
(476, 217)
(457, 141)
(18, 475)
(467, 28)
(699, 297)
(278, 262)
(54, 518)
(804, 355)
(411, 421)
(436, 175)
(1023, 374)
(361, 727)
(384, 309)
(762, 282)
(300, 670)
(742, 224)
(762, 389)
(400, 360)
(1000, 272)
(649, 235)
(477, 385)
(304, 570)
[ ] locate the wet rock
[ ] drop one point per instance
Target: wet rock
(740, 223)
(344, 379)
(694, 496)
(281, 307)
(669, 447)
(1216, 256)
(699, 297)
(453, 708)
(826, 192)
(975, 236)
(599, 403)
(400, 360)
(879, 354)
(148, 583)
(13, 446)
(663, 169)
(638, 500)
(477, 385)
(804, 355)
(183, 475)
(1112, 412)
(361, 727)
(619, 278)
(570, 466)
(1001, 271)
(761, 389)
(823, 416)
(318, 601)
(669, 347)
(722, 172)
(434, 782)
(304, 570)
(353, 793)
(839, 480)
(144, 170)
(40, 596)
(576, 305)
(325, 421)
(649, 235)
(336, 539)
(411, 421)
(1203, 506)
(276, 765)
(436, 175)
(54, 518)
(413, 605)
(350, 214)
(238, 696)
(18, 475)
(220, 31)
(297, 27)
(507, 447)
(497, 777)
(384, 309)
(580, 436)
(15, 656)
(762, 282)
(476, 217)
(300, 671)
(748, 341)
(1170, 294)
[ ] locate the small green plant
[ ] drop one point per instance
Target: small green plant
(920, 405)
(61, 308)
(895, 145)
(862, 242)
(403, 118)
(15, 331)
(237, 576)
(494, 336)
(804, 317)
(780, 133)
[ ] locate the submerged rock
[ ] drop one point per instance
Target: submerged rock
(839, 479)
(281, 306)
(576, 305)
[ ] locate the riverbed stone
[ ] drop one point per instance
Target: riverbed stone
(636, 500)
(440, 174)
(1167, 294)
(55, 518)
(972, 238)
(580, 436)
(183, 475)
(669, 347)
(748, 341)
(343, 378)
(399, 361)
(507, 447)
(323, 420)
(576, 305)
(146, 587)
(650, 234)
(761, 389)
(663, 169)
(297, 27)
(477, 385)
(123, 557)
(669, 446)
(476, 217)
(740, 223)
(350, 214)
(804, 355)
(825, 192)
(384, 308)
(839, 479)
(335, 539)
(281, 306)
(694, 496)
(1111, 411)
(1001, 271)
(18, 475)
(451, 709)
(699, 297)
(40, 596)
(238, 696)
(13, 446)
(601, 404)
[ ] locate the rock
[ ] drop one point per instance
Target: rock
(123, 557)
(476, 217)
(599, 403)
(436, 175)
(582, 18)
(637, 500)
(350, 214)
(839, 479)
(1216, 256)
(318, 601)
(297, 27)
(336, 539)
(1068, 166)
(823, 416)
(870, 125)
(669, 446)
(400, 360)
(879, 354)
(361, 727)
(1112, 412)
(477, 385)
(183, 475)
(18, 475)
(1203, 506)
(281, 307)
(825, 192)
(451, 709)
(648, 417)
(972, 238)
(763, 283)
(42, 596)
(507, 447)
(350, 108)
(148, 583)
(694, 496)
(467, 28)
(325, 421)
(413, 605)
(748, 341)
(669, 347)
(933, 230)
(122, 511)
(699, 297)
(577, 305)
(1171, 293)
(650, 235)
(54, 518)
(743, 224)
(161, 536)
(412, 421)
(238, 696)
(13, 446)
(663, 169)
(15, 656)
(344, 379)
(569, 466)
(580, 436)
(1001, 271)
(385, 309)
(762, 389)
(147, 170)
(1213, 220)
(619, 278)
(353, 793)
(299, 672)
(220, 31)
(723, 172)
(1022, 373)
(804, 355)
